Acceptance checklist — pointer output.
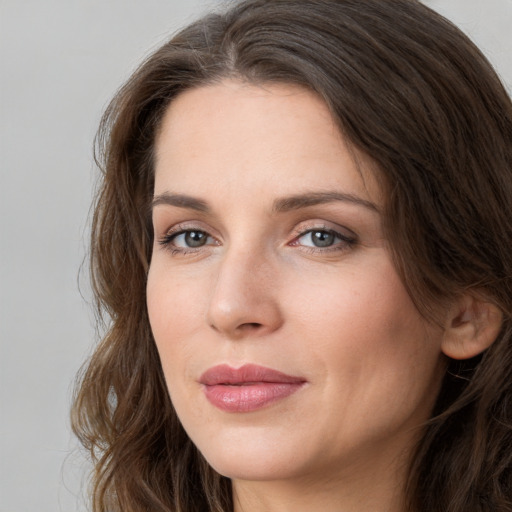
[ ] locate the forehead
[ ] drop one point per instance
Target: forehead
(275, 137)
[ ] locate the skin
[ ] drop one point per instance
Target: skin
(259, 291)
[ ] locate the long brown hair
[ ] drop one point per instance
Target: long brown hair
(411, 91)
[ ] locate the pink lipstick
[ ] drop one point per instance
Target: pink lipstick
(247, 388)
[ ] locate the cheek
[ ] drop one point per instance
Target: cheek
(175, 308)
(361, 306)
(368, 340)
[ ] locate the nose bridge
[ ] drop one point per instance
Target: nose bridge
(244, 297)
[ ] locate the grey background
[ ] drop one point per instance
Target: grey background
(61, 61)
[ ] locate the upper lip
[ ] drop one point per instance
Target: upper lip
(248, 373)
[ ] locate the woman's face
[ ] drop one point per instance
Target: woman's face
(269, 255)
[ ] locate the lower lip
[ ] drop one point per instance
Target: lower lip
(250, 397)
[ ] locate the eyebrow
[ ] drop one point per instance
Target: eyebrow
(285, 204)
(314, 198)
(181, 201)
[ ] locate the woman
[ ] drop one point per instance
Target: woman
(302, 241)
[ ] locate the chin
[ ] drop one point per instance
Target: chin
(256, 459)
(255, 469)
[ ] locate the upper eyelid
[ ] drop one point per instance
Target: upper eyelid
(343, 239)
(178, 230)
(327, 230)
(194, 225)
(167, 241)
(321, 225)
(301, 228)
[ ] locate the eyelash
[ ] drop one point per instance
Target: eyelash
(344, 242)
(167, 240)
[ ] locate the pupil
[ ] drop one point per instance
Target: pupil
(323, 238)
(195, 238)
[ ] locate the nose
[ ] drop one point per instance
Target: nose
(244, 300)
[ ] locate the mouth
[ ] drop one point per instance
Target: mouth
(248, 388)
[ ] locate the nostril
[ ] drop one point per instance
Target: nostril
(250, 325)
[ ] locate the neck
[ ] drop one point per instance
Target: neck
(365, 485)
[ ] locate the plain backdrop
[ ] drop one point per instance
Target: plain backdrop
(61, 61)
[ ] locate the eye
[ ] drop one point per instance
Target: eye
(186, 239)
(320, 238)
(191, 239)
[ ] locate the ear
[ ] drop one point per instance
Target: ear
(472, 325)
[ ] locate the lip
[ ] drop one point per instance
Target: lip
(248, 388)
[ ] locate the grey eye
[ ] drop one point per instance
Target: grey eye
(195, 238)
(190, 239)
(322, 238)
(319, 238)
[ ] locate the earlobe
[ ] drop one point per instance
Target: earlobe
(472, 326)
